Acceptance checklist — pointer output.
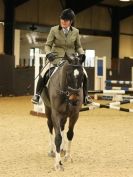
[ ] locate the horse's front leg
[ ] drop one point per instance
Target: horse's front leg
(58, 140)
(63, 144)
(70, 135)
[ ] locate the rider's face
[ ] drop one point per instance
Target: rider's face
(65, 23)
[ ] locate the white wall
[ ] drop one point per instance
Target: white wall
(39, 11)
(126, 46)
(126, 25)
(126, 41)
(102, 47)
(94, 18)
(27, 42)
(24, 51)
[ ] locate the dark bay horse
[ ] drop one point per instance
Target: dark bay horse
(65, 96)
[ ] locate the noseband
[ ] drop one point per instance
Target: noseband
(71, 95)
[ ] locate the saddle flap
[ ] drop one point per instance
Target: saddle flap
(48, 74)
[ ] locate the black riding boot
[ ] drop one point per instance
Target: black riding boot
(85, 90)
(39, 88)
(41, 84)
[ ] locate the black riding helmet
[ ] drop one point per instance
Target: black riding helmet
(67, 14)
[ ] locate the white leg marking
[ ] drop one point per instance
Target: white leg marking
(63, 141)
(51, 145)
(68, 155)
(63, 145)
(58, 163)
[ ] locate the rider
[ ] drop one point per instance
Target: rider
(62, 40)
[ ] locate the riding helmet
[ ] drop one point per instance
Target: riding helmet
(67, 14)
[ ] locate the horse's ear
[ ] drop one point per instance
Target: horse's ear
(82, 58)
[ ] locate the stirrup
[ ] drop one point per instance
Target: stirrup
(35, 99)
(87, 101)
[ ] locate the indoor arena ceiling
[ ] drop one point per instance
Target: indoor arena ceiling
(125, 6)
(125, 9)
(116, 3)
(79, 5)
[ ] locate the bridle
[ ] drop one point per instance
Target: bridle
(70, 94)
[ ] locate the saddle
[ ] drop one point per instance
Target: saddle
(48, 74)
(50, 71)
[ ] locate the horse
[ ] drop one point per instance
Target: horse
(63, 99)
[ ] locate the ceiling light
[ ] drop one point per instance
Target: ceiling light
(125, 0)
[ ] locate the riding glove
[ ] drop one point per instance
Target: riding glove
(82, 56)
(51, 56)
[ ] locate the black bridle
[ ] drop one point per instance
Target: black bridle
(69, 92)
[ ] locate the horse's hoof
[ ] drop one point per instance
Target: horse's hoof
(63, 153)
(68, 157)
(51, 154)
(59, 167)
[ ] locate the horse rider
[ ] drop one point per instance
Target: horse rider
(63, 40)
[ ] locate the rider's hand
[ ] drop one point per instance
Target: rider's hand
(82, 56)
(51, 56)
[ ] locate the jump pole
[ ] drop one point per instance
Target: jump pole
(112, 105)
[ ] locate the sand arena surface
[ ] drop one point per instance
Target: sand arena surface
(102, 145)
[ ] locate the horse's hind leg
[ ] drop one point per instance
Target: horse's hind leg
(51, 152)
(70, 135)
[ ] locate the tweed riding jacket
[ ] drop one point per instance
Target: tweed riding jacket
(58, 42)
